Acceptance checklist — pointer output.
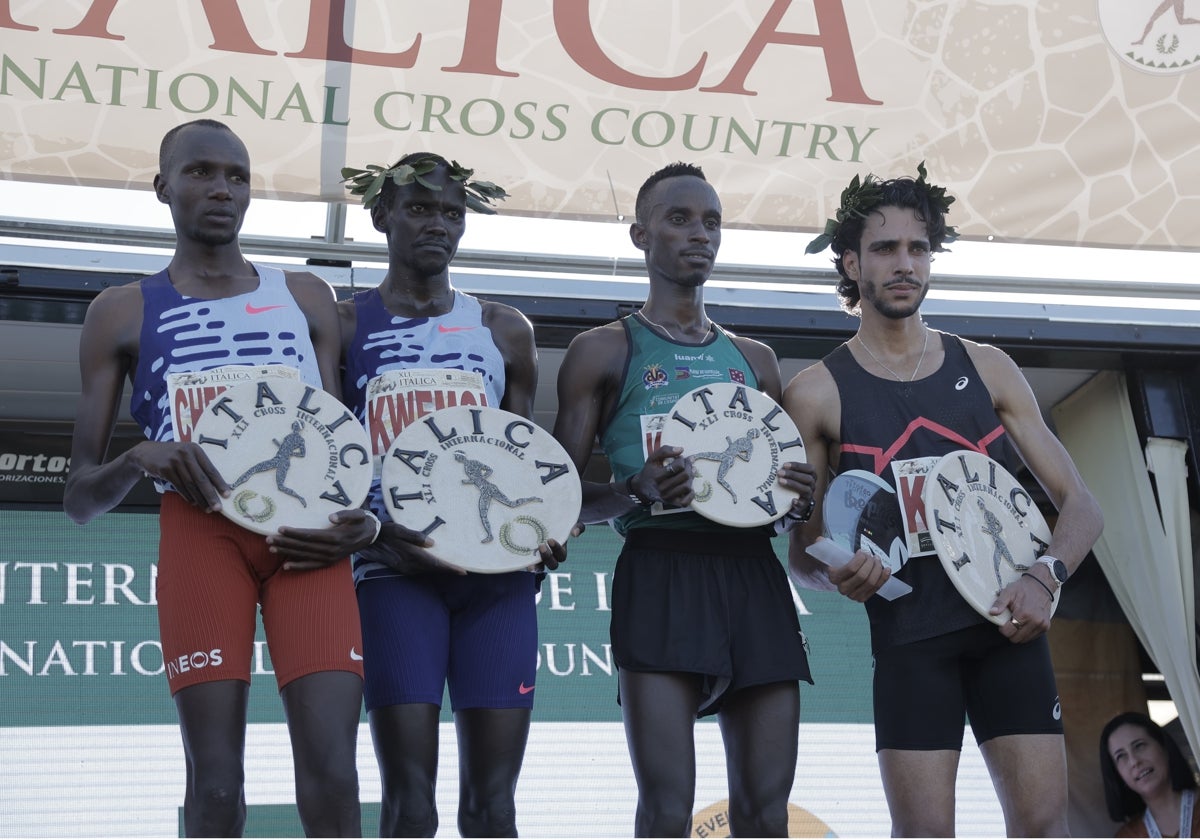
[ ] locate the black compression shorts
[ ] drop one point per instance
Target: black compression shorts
(923, 690)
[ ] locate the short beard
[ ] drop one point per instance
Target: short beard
(891, 312)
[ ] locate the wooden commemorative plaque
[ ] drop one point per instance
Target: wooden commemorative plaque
(736, 439)
(985, 527)
(292, 453)
(486, 485)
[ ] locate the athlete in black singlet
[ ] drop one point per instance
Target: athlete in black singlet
(899, 391)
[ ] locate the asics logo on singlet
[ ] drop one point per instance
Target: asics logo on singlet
(193, 662)
(251, 309)
(961, 383)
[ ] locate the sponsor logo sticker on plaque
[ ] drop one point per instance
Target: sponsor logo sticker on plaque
(736, 439)
(190, 393)
(486, 485)
(292, 453)
(398, 398)
(985, 527)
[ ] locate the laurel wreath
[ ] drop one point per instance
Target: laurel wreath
(367, 183)
(540, 533)
(862, 196)
(241, 503)
(1162, 46)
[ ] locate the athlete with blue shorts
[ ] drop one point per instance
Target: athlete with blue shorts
(427, 626)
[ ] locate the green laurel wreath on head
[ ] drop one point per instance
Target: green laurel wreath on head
(368, 182)
(862, 196)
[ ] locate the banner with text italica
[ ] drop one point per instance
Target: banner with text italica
(1063, 122)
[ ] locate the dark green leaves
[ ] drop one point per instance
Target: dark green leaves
(366, 183)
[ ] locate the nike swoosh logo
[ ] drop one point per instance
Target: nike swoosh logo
(442, 328)
(355, 655)
(251, 309)
(525, 689)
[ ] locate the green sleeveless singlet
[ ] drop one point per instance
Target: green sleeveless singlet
(658, 372)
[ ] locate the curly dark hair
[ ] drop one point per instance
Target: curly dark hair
(1122, 803)
(902, 192)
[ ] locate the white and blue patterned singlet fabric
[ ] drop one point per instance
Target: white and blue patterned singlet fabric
(383, 342)
(187, 335)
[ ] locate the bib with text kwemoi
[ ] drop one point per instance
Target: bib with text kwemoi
(486, 485)
(292, 453)
(985, 527)
(736, 438)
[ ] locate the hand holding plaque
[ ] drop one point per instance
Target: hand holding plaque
(736, 438)
(291, 452)
(985, 526)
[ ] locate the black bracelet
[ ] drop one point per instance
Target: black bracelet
(633, 494)
(807, 515)
(1039, 583)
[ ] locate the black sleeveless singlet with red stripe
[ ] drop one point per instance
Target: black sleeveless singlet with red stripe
(884, 421)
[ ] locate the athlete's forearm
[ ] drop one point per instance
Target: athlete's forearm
(96, 489)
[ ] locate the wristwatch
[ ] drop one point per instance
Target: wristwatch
(1058, 569)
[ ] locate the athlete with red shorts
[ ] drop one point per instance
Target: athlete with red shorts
(211, 308)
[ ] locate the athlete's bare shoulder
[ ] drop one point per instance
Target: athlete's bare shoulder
(307, 283)
(597, 355)
(995, 366)
(500, 315)
(114, 317)
(610, 335)
(812, 394)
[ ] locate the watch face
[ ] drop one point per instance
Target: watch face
(985, 527)
(1059, 569)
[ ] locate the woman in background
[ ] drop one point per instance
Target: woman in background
(1148, 784)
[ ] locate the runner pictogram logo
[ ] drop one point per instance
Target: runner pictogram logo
(318, 458)
(486, 485)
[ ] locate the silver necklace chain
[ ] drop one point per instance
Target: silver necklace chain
(670, 334)
(898, 377)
